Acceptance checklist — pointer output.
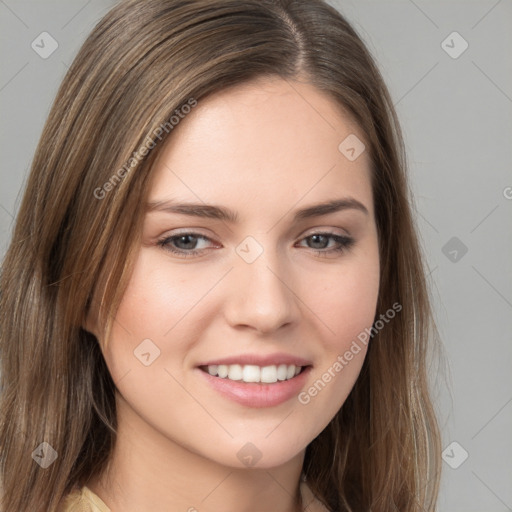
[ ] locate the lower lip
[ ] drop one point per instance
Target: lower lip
(255, 394)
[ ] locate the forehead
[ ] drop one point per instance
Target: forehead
(270, 143)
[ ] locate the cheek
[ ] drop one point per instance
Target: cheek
(345, 299)
(353, 305)
(161, 301)
(345, 305)
(152, 306)
(159, 296)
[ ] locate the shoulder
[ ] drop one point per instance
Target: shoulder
(82, 500)
(311, 504)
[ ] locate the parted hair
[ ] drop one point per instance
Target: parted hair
(144, 60)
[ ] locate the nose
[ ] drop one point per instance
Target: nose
(262, 295)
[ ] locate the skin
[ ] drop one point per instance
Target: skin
(264, 150)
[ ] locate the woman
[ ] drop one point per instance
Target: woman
(214, 297)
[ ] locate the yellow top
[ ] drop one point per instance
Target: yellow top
(84, 500)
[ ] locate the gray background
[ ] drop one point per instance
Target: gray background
(457, 122)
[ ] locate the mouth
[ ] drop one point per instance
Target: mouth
(250, 373)
(256, 386)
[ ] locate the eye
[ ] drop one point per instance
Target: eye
(184, 244)
(320, 243)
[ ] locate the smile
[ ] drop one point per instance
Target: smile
(256, 386)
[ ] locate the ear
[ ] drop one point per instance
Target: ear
(90, 327)
(91, 317)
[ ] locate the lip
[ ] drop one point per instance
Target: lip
(255, 394)
(260, 360)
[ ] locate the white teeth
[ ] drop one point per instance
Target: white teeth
(234, 372)
(282, 372)
(253, 373)
(269, 374)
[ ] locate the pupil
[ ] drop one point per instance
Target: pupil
(186, 238)
(316, 240)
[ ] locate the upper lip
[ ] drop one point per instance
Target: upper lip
(259, 360)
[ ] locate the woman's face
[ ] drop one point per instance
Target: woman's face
(276, 288)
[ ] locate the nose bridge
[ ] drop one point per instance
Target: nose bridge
(262, 297)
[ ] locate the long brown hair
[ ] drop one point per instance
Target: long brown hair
(144, 60)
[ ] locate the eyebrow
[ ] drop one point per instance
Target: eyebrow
(225, 214)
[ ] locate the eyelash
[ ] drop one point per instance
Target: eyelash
(344, 244)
